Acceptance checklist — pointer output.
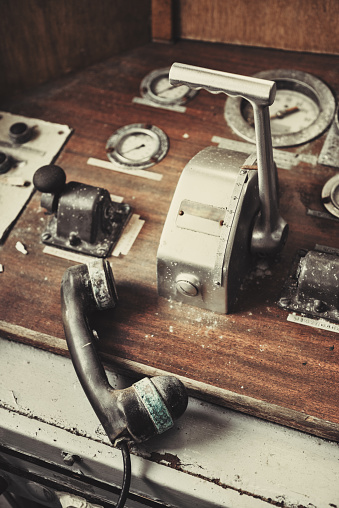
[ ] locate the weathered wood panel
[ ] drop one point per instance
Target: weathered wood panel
(301, 25)
(162, 20)
(252, 360)
(42, 40)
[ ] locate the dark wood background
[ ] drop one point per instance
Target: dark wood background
(300, 25)
(252, 360)
(43, 39)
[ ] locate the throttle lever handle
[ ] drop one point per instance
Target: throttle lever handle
(260, 91)
(270, 229)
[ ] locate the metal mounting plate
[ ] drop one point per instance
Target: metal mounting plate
(16, 185)
(312, 288)
(102, 248)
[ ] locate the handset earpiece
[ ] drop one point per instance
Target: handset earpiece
(136, 413)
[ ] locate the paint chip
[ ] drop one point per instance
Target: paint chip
(21, 248)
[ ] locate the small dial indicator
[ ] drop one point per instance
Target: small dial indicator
(157, 88)
(330, 195)
(137, 146)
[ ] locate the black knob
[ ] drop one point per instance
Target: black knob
(49, 179)
(20, 133)
(6, 162)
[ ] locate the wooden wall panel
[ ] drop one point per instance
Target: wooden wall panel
(162, 20)
(44, 39)
(301, 25)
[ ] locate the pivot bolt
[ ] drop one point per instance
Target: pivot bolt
(188, 284)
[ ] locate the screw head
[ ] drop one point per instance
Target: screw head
(187, 284)
(68, 458)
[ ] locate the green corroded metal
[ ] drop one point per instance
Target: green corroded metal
(154, 404)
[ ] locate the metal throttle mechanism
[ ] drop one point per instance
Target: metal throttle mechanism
(223, 212)
(145, 409)
(312, 288)
(85, 219)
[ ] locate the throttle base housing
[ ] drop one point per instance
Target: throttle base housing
(204, 253)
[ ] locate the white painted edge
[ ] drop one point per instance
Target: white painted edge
(145, 102)
(116, 199)
(322, 324)
(129, 236)
(65, 254)
(149, 175)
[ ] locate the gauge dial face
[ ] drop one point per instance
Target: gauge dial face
(162, 88)
(330, 195)
(157, 88)
(303, 108)
(137, 146)
(290, 113)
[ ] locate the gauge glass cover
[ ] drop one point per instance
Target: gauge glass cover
(303, 108)
(157, 88)
(330, 195)
(137, 146)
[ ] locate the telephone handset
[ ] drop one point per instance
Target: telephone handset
(136, 413)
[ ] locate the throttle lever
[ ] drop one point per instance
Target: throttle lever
(270, 229)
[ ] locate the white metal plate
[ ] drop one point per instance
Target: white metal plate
(41, 150)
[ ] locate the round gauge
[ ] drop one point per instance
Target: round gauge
(157, 88)
(137, 146)
(336, 118)
(330, 195)
(303, 108)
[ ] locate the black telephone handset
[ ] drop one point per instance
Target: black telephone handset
(136, 413)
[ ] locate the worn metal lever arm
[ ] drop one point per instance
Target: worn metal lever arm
(270, 229)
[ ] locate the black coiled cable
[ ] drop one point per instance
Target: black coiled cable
(126, 482)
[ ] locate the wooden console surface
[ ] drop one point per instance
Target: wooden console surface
(253, 360)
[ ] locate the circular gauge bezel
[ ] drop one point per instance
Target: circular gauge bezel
(336, 118)
(330, 195)
(298, 81)
(147, 89)
(156, 135)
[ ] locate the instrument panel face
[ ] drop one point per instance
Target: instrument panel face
(290, 113)
(303, 109)
(137, 146)
(157, 88)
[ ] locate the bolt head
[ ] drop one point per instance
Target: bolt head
(187, 284)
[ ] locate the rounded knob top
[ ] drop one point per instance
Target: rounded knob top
(50, 179)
